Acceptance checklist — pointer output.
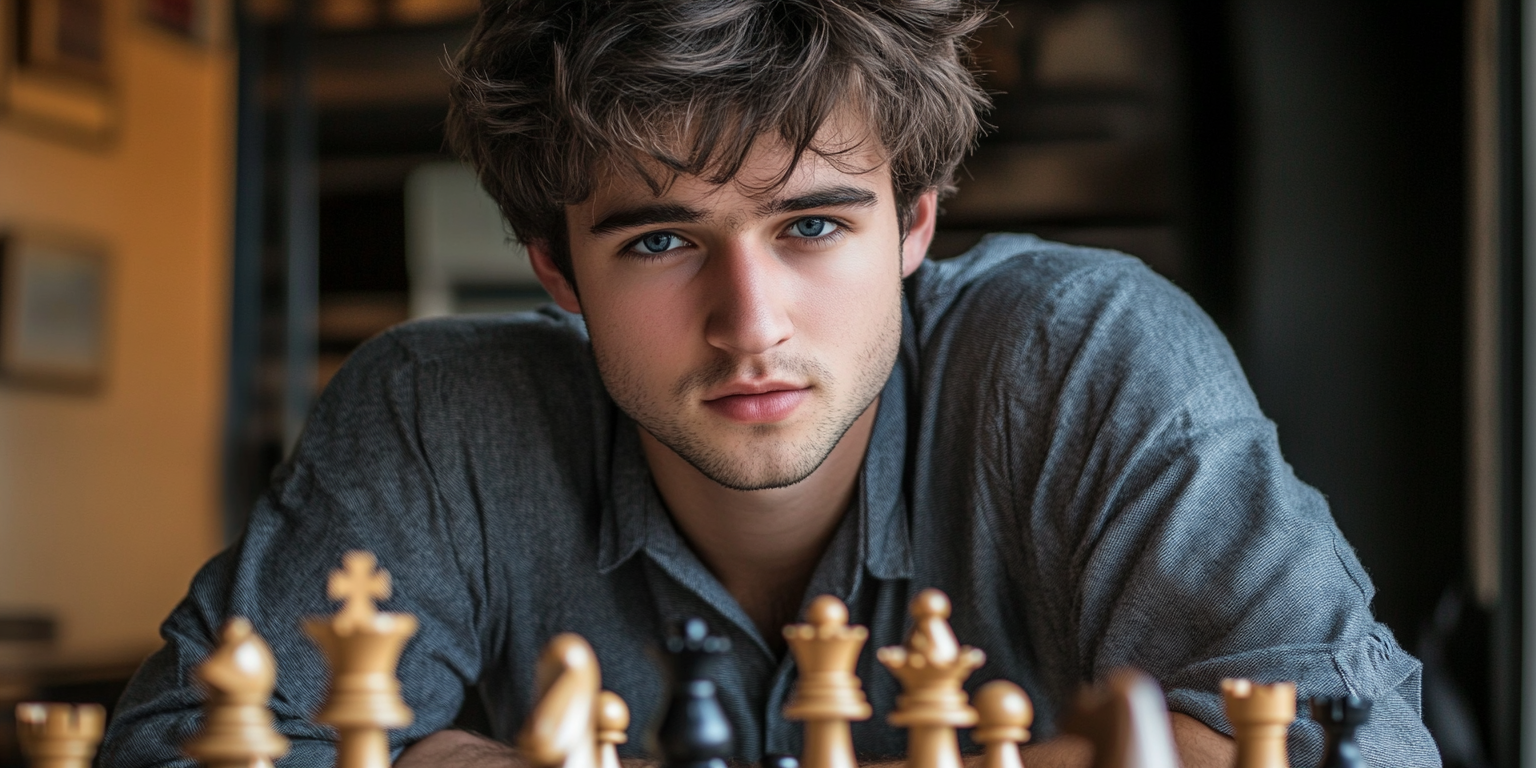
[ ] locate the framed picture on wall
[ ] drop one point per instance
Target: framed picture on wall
(56, 73)
(198, 21)
(65, 36)
(53, 311)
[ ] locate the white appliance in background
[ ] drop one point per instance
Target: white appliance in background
(461, 254)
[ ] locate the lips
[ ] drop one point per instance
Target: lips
(763, 406)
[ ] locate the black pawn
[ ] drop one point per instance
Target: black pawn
(780, 761)
(694, 732)
(1341, 717)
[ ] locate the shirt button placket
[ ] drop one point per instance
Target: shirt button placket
(779, 735)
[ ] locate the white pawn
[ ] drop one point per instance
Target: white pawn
(612, 728)
(1004, 715)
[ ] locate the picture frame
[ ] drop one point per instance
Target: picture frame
(63, 36)
(56, 68)
(53, 311)
(203, 22)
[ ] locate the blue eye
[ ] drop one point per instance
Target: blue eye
(657, 243)
(814, 227)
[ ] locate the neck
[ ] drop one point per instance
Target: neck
(763, 546)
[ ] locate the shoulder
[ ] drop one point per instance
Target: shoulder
(546, 346)
(1024, 279)
(473, 341)
(1058, 320)
(437, 400)
(455, 378)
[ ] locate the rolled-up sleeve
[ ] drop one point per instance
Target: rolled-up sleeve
(1229, 567)
(1175, 536)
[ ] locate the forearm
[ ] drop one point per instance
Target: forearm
(1064, 752)
(462, 749)
(459, 749)
(1198, 745)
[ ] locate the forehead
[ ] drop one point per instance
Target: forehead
(844, 153)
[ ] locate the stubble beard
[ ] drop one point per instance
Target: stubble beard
(761, 456)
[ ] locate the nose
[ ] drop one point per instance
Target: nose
(749, 292)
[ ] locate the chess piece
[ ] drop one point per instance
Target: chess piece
(932, 666)
(779, 761)
(1260, 716)
(612, 728)
(1126, 720)
(562, 729)
(694, 732)
(237, 726)
(1341, 717)
(363, 647)
(1003, 717)
(827, 695)
(60, 735)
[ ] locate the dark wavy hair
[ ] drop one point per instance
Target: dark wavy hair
(546, 91)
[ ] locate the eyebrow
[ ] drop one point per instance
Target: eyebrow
(832, 197)
(647, 215)
(673, 213)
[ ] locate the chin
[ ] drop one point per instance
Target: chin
(756, 469)
(758, 481)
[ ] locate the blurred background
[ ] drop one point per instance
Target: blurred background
(205, 205)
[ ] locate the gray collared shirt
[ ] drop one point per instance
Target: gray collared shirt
(1066, 446)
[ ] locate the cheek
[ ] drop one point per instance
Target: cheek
(848, 306)
(639, 327)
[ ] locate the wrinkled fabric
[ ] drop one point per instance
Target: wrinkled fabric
(1066, 446)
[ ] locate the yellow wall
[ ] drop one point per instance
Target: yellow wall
(108, 502)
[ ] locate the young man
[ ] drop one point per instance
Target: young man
(755, 391)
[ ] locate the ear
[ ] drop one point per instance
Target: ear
(925, 214)
(550, 276)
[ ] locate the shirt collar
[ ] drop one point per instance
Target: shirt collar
(631, 499)
(886, 537)
(633, 512)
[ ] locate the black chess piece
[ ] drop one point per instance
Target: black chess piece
(780, 761)
(1341, 717)
(694, 732)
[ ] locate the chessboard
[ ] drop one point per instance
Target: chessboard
(577, 724)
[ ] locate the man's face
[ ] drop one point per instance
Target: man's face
(745, 329)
